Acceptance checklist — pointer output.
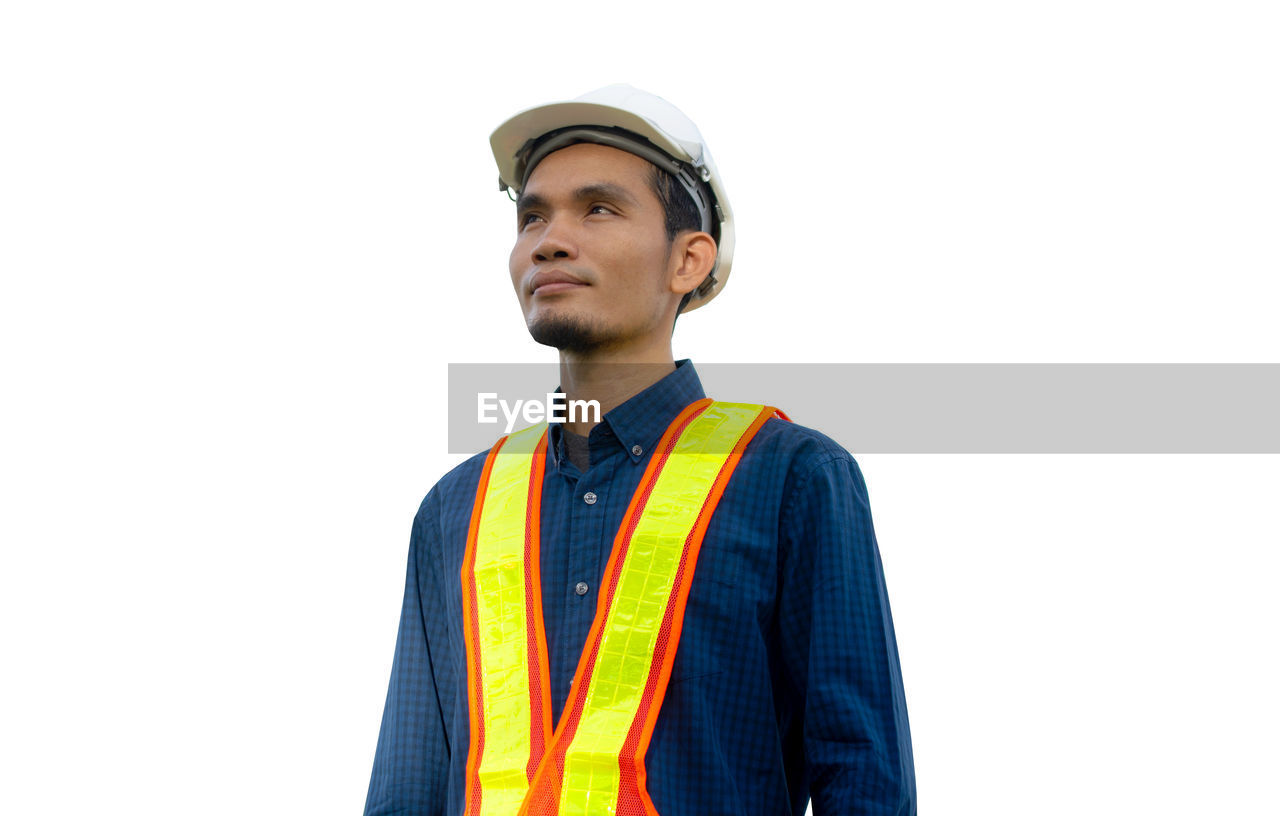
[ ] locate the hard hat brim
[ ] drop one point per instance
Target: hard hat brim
(513, 134)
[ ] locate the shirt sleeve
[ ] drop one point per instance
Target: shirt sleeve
(840, 652)
(411, 763)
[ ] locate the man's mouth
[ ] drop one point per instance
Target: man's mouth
(552, 288)
(554, 280)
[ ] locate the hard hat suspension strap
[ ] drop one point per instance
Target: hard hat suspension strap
(691, 177)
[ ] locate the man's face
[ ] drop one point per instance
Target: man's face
(590, 262)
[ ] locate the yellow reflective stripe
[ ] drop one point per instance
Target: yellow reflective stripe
(639, 604)
(500, 611)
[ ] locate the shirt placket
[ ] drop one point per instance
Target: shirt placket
(588, 538)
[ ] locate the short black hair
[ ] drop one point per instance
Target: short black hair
(680, 211)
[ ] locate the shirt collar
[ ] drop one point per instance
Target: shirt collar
(637, 424)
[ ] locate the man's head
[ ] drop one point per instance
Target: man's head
(653, 148)
(606, 250)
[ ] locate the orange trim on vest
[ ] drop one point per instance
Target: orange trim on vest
(539, 677)
(470, 631)
(641, 732)
(536, 643)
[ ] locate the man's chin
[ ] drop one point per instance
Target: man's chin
(572, 333)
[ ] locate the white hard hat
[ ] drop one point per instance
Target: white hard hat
(667, 138)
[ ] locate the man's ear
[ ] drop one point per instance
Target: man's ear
(693, 254)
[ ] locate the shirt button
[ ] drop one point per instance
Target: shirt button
(581, 588)
(589, 498)
(636, 450)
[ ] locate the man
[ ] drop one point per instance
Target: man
(678, 610)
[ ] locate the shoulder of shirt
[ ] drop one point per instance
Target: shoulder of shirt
(459, 483)
(804, 447)
(801, 456)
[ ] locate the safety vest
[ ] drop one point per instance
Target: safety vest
(592, 763)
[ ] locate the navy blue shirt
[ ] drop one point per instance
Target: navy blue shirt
(786, 683)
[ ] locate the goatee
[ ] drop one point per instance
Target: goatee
(571, 333)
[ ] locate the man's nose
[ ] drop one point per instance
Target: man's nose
(556, 241)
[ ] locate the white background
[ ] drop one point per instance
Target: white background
(242, 240)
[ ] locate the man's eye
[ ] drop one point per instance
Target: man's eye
(602, 208)
(528, 218)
